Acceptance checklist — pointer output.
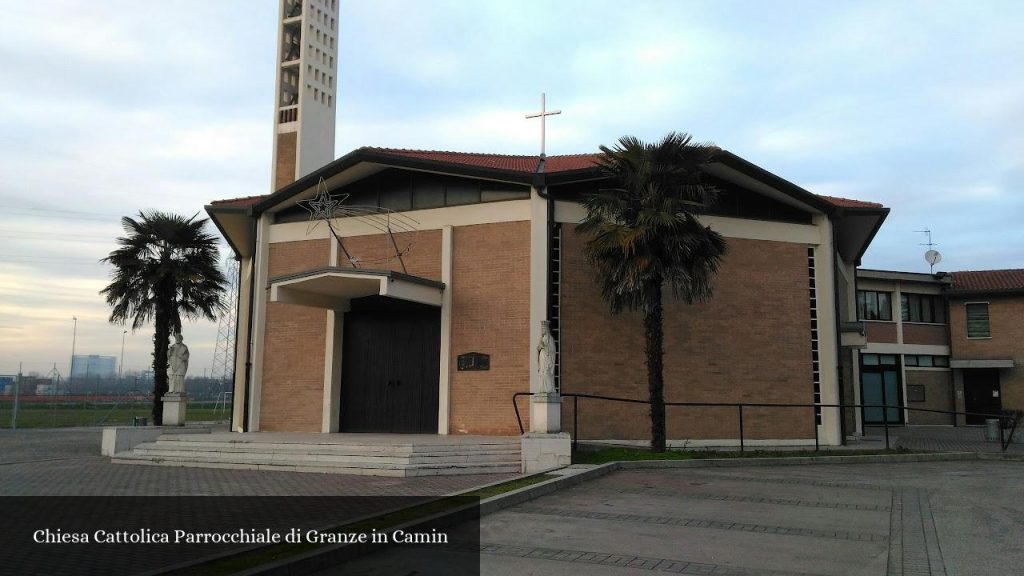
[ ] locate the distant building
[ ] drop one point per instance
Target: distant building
(93, 366)
(944, 341)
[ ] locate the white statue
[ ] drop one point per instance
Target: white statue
(546, 359)
(177, 356)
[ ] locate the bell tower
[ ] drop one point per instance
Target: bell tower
(305, 104)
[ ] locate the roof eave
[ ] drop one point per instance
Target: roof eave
(374, 157)
(214, 210)
(754, 171)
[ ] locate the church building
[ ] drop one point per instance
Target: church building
(418, 306)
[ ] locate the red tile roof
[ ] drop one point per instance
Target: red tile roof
(988, 281)
(520, 164)
(849, 203)
(511, 163)
(238, 202)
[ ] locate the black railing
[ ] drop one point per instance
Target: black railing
(1005, 421)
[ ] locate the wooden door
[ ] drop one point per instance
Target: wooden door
(390, 364)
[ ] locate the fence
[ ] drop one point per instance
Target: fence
(1006, 421)
(60, 411)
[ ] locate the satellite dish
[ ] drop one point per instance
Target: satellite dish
(932, 257)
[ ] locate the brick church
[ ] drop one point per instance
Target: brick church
(419, 306)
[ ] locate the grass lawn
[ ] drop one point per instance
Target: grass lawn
(64, 414)
(605, 455)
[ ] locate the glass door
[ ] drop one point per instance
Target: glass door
(880, 384)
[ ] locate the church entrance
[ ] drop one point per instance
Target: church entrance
(390, 363)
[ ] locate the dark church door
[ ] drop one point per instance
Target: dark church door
(390, 362)
(981, 393)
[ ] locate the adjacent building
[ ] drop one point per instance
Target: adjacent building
(944, 341)
(93, 366)
(986, 336)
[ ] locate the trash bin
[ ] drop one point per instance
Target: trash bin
(139, 421)
(992, 430)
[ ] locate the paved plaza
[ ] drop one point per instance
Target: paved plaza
(67, 462)
(937, 518)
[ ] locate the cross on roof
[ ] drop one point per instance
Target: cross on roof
(543, 114)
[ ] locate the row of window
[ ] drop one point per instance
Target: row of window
(910, 360)
(875, 305)
(400, 191)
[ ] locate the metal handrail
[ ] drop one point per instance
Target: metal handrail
(739, 406)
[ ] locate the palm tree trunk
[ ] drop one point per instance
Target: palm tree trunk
(654, 334)
(161, 340)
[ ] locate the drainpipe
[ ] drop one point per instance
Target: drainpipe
(252, 307)
(542, 191)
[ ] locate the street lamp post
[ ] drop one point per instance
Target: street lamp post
(120, 367)
(74, 336)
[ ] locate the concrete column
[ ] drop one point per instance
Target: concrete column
(444, 375)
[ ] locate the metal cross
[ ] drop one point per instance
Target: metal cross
(543, 114)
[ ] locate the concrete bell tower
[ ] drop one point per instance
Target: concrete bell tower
(304, 108)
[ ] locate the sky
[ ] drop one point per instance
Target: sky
(111, 107)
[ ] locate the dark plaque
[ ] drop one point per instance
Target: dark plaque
(474, 361)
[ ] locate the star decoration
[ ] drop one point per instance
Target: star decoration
(321, 207)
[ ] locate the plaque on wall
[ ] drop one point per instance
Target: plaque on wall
(474, 361)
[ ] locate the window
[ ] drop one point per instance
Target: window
(878, 359)
(873, 305)
(925, 361)
(977, 320)
(923, 308)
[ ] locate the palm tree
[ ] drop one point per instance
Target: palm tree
(164, 270)
(643, 234)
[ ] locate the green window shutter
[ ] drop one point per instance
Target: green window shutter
(977, 321)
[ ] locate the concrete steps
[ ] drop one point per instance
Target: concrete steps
(380, 455)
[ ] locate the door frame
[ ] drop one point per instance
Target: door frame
(997, 374)
(389, 307)
(897, 368)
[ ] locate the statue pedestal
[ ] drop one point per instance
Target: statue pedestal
(174, 408)
(546, 413)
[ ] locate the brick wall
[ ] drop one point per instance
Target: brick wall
(490, 314)
(925, 334)
(882, 332)
(293, 350)
(421, 252)
(284, 173)
(1006, 322)
(938, 385)
(751, 343)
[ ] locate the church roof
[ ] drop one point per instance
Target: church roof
(520, 166)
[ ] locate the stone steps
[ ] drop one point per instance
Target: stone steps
(333, 454)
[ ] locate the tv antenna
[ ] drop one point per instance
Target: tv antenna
(932, 256)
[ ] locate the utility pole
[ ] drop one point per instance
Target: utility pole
(120, 367)
(74, 336)
(17, 393)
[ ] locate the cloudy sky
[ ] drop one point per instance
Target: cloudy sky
(110, 107)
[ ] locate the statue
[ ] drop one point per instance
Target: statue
(546, 359)
(177, 356)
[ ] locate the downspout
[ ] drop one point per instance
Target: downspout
(252, 309)
(542, 191)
